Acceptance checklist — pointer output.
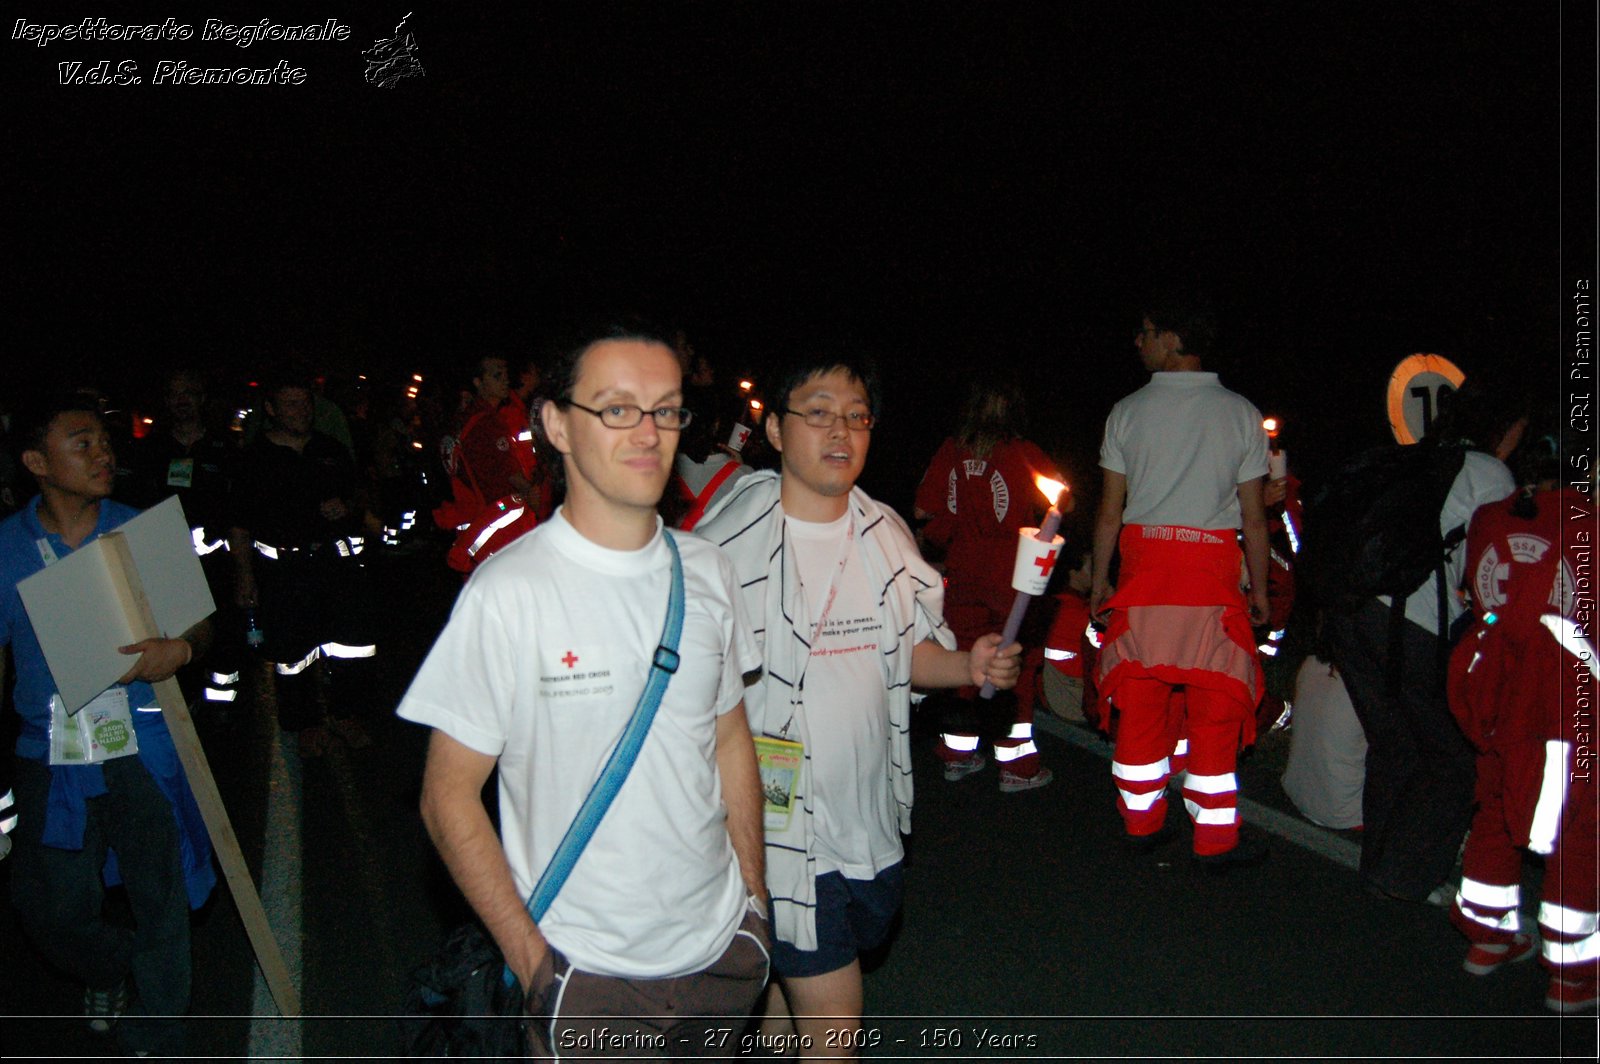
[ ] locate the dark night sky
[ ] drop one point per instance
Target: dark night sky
(961, 184)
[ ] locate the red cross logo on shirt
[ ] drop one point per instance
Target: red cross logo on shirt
(569, 659)
(1047, 563)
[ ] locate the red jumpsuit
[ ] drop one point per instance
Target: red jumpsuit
(515, 416)
(1180, 662)
(1064, 650)
(1522, 686)
(485, 510)
(979, 504)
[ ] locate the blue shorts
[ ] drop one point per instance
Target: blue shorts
(853, 916)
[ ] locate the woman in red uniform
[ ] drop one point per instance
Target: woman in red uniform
(1522, 686)
(977, 493)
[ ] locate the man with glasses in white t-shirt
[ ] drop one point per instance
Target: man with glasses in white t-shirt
(850, 618)
(660, 929)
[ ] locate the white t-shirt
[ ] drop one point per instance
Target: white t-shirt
(541, 665)
(1185, 443)
(1483, 479)
(847, 704)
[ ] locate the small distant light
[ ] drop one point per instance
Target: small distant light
(417, 444)
(417, 377)
(149, 420)
(755, 404)
(745, 386)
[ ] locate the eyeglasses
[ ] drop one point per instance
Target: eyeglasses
(628, 415)
(818, 418)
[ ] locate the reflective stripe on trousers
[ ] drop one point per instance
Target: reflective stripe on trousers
(1492, 905)
(1016, 745)
(1571, 936)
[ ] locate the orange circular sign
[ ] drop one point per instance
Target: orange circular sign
(1416, 387)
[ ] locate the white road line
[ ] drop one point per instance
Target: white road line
(1300, 832)
(270, 1036)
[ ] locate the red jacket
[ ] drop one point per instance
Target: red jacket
(1511, 680)
(1178, 616)
(978, 506)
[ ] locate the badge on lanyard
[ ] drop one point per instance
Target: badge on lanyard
(180, 473)
(100, 731)
(779, 761)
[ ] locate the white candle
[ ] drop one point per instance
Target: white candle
(1046, 534)
(1277, 465)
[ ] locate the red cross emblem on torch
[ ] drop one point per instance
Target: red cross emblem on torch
(1052, 490)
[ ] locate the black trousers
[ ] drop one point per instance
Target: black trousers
(1417, 798)
(59, 894)
(319, 605)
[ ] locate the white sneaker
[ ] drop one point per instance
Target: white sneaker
(105, 1007)
(957, 770)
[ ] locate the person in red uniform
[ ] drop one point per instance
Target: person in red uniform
(1285, 522)
(977, 493)
(485, 453)
(1067, 675)
(1522, 684)
(515, 415)
(493, 500)
(1184, 461)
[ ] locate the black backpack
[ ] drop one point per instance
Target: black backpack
(1373, 529)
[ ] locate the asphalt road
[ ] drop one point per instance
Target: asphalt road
(1028, 932)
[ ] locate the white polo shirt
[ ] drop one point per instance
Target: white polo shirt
(1185, 444)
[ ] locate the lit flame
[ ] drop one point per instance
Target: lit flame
(417, 377)
(755, 404)
(1050, 489)
(1272, 426)
(745, 386)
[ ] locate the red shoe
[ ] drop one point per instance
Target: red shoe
(1572, 994)
(1485, 958)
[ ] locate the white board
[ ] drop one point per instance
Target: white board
(77, 615)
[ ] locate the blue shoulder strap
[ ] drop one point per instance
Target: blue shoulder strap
(617, 767)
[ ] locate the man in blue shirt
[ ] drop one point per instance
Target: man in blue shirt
(131, 819)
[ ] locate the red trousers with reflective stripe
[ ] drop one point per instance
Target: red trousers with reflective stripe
(1180, 660)
(1493, 859)
(1155, 718)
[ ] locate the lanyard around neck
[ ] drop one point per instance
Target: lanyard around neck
(846, 546)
